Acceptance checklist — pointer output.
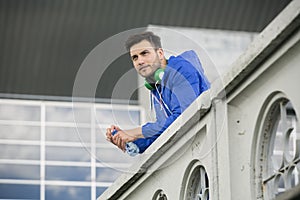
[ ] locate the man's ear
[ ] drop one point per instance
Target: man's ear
(160, 53)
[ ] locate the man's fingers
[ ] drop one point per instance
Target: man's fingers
(119, 143)
(113, 127)
(123, 146)
(108, 134)
(114, 140)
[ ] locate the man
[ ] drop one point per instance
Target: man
(174, 83)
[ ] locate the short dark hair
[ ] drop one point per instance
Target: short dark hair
(149, 36)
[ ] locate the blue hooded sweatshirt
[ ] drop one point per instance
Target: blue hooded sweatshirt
(183, 81)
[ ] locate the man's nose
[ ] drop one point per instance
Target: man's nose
(141, 61)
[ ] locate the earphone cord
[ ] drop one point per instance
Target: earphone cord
(161, 106)
(161, 99)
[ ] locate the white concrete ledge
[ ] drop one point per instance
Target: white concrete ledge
(180, 126)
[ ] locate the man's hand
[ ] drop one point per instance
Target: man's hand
(116, 141)
(122, 136)
(109, 132)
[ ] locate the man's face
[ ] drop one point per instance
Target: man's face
(145, 58)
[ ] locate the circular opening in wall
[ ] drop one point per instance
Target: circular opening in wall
(196, 183)
(159, 195)
(277, 150)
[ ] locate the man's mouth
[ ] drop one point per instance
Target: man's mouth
(143, 67)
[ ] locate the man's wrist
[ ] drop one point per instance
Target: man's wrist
(138, 133)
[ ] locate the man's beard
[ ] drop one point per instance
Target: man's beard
(150, 79)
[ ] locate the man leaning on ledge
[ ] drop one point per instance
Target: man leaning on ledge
(174, 84)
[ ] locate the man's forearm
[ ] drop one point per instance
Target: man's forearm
(124, 136)
(136, 132)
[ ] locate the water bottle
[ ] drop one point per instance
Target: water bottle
(131, 148)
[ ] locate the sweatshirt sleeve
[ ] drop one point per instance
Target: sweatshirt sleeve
(182, 88)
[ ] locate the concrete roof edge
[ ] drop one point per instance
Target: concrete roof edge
(260, 49)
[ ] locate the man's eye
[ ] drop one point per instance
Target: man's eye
(134, 58)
